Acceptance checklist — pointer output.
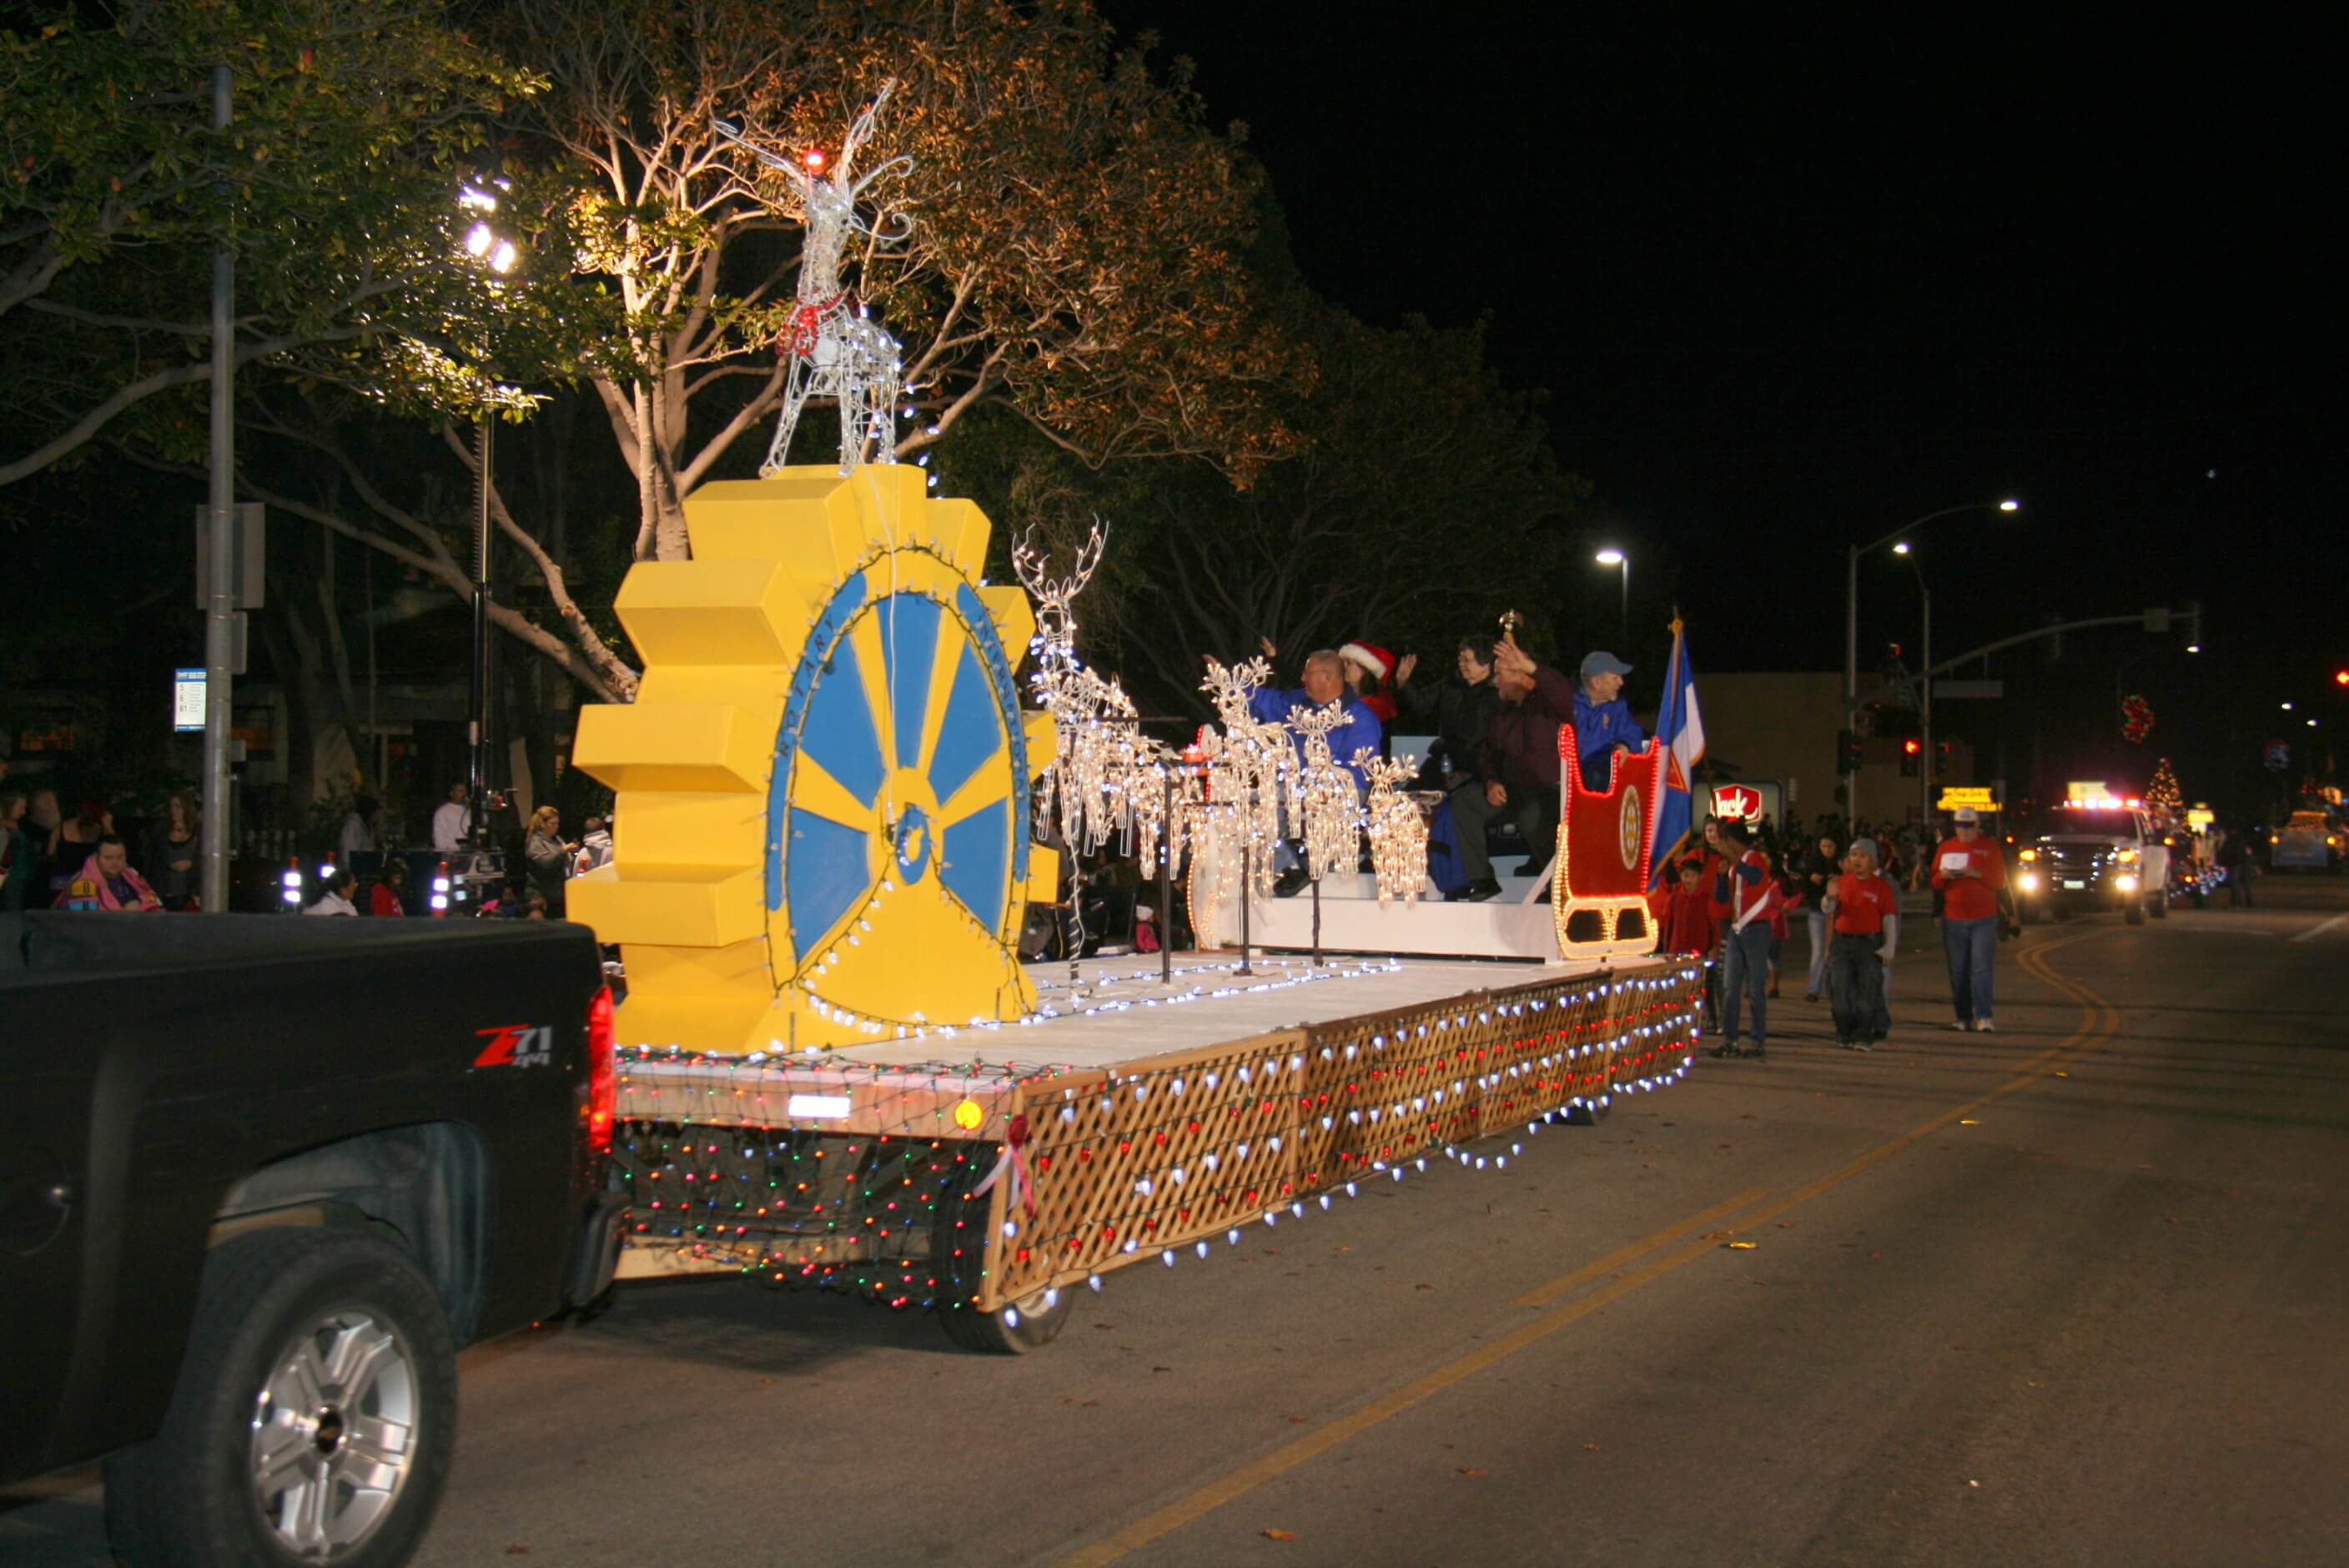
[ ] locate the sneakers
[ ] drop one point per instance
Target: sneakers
(1727, 1049)
(1959, 1025)
(1760, 1052)
(1858, 1046)
(1983, 1026)
(1810, 995)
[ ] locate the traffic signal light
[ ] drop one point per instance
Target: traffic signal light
(1941, 758)
(1847, 752)
(2341, 677)
(1910, 749)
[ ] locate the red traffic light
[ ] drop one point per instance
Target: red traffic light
(2341, 677)
(1911, 747)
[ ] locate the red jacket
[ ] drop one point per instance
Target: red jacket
(1690, 921)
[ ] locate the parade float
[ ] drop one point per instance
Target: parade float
(836, 1070)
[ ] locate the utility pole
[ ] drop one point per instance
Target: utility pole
(220, 601)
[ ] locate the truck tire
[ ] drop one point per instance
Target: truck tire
(2134, 914)
(2160, 910)
(314, 1418)
(958, 1255)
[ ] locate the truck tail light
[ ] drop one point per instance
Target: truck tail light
(602, 1089)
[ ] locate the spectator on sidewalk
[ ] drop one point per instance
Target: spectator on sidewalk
(336, 898)
(107, 883)
(19, 860)
(359, 828)
(452, 820)
(548, 857)
(1969, 872)
(1747, 888)
(173, 846)
(389, 899)
(1865, 910)
(1820, 867)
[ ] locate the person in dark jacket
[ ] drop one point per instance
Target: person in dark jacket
(1518, 779)
(548, 856)
(1460, 707)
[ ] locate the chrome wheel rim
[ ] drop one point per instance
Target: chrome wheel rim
(334, 1435)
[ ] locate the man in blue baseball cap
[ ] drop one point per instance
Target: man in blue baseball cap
(1602, 719)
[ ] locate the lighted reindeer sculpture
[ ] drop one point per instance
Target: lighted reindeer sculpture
(832, 348)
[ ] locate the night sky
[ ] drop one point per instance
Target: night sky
(1791, 284)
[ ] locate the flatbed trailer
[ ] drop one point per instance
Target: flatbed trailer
(989, 1171)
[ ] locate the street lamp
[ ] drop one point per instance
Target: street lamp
(1925, 691)
(1611, 556)
(497, 253)
(1851, 624)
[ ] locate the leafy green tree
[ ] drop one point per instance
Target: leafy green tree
(336, 185)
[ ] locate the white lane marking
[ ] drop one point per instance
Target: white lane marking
(2320, 930)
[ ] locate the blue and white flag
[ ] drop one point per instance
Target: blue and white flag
(1680, 730)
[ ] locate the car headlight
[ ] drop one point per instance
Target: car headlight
(2028, 882)
(2126, 883)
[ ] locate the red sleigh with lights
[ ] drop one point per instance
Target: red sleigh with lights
(1598, 896)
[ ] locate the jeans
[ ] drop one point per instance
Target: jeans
(1856, 986)
(2239, 887)
(1746, 976)
(1973, 946)
(1817, 984)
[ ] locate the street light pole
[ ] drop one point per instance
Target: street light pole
(476, 788)
(220, 598)
(1925, 700)
(1617, 559)
(1851, 626)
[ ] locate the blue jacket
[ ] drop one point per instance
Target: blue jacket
(1361, 727)
(1599, 725)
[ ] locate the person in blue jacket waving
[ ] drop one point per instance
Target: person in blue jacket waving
(1602, 719)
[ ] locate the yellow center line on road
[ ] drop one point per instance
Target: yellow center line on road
(1542, 1294)
(2098, 1023)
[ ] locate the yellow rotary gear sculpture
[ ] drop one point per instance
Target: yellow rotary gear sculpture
(822, 825)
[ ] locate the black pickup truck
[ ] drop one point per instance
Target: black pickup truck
(262, 1178)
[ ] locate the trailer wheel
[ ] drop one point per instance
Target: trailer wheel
(958, 1257)
(2134, 914)
(2161, 906)
(314, 1418)
(1589, 1112)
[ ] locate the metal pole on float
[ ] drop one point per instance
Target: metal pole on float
(1166, 885)
(1248, 890)
(220, 600)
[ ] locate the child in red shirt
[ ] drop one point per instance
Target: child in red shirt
(1864, 912)
(1687, 915)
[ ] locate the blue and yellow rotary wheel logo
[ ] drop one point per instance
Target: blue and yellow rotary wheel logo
(821, 831)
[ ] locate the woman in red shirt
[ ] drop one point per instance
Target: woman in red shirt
(389, 899)
(1865, 912)
(1968, 873)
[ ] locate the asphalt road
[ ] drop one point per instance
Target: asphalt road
(2074, 1292)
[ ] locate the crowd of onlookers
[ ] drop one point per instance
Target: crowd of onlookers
(53, 859)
